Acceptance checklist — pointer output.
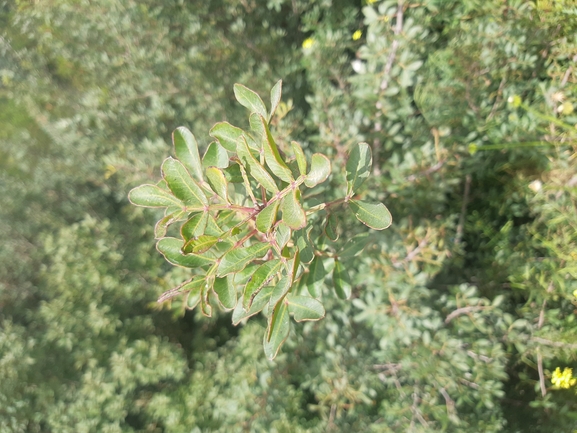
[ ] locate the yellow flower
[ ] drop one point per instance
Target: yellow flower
(357, 35)
(370, 2)
(307, 43)
(575, 293)
(565, 379)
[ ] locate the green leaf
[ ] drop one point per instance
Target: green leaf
(267, 217)
(272, 156)
(233, 173)
(282, 235)
(199, 245)
(182, 185)
(194, 284)
(225, 291)
(236, 259)
(153, 196)
(342, 281)
(205, 307)
(275, 96)
(195, 226)
(259, 302)
(331, 227)
(300, 157)
(305, 308)
(171, 248)
(227, 135)
(293, 214)
(280, 290)
(260, 278)
(162, 225)
(374, 215)
(215, 156)
(212, 227)
(249, 99)
(358, 167)
(186, 150)
(320, 170)
(354, 246)
(193, 297)
(254, 168)
(217, 181)
(277, 331)
(304, 245)
(316, 278)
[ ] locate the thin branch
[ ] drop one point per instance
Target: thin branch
(395, 45)
(541, 375)
(550, 343)
(463, 310)
(461, 225)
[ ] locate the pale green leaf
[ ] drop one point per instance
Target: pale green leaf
(358, 167)
(275, 96)
(277, 331)
(374, 215)
(249, 99)
(226, 134)
(195, 226)
(153, 196)
(217, 181)
(320, 170)
(259, 302)
(200, 245)
(194, 284)
(300, 157)
(293, 214)
(316, 277)
(262, 277)
(280, 290)
(215, 156)
(272, 155)
(182, 185)
(305, 308)
(282, 235)
(225, 292)
(162, 225)
(267, 217)
(186, 150)
(236, 259)
(171, 249)
(254, 168)
(304, 245)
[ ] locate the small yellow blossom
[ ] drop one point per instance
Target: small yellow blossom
(357, 35)
(565, 379)
(307, 43)
(370, 2)
(575, 293)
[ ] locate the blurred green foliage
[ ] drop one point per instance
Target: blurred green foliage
(460, 311)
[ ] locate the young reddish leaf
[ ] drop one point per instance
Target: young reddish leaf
(186, 150)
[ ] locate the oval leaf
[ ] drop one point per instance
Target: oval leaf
(186, 150)
(300, 157)
(374, 215)
(277, 331)
(217, 181)
(215, 156)
(236, 259)
(305, 308)
(267, 217)
(342, 281)
(354, 246)
(293, 214)
(259, 302)
(249, 99)
(226, 134)
(260, 278)
(254, 168)
(171, 248)
(320, 170)
(225, 291)
(275, 96)
(195, 226)
(182, 185)
(358, 167)
(272, 155)
(153, 196)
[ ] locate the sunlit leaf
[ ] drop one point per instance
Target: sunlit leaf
(275, 96)
(320, 170)
(249, 99)
(153, 196)
(227, 135)
(304, 245)
(300, 157)
(195, 226)
(280, 290)
(225, 291)
(282, 234)
(217, 181)
(171, 248)
(162, 225)
(254, 168)
(293, 214)
(182, 185)
(199, 245)
(258, 303)
(215, 156)
(358, 167)
(277, 331)
(236, 259)
(305, 308)
(267, 217)
(194, 284)
(272, 155)
(186, 150)
(260, 278)
(374, 215)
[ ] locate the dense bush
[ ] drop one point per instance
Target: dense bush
(462, 313)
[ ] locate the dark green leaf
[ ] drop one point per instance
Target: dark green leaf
(272, 156)
(225, 291)
(227, 135)
(249, 99)
(320, 170)
(354, 246)
(215, 156)
(171, 248)
(233, 173)
(277, 331)
(212, 227)
(153, 196)
(262, 277)
(259, 302)
(342, 281)
(374, 215)
(254, 168)
(217, 181)
(293, 214)
(199, 245)
(331, 229)
(316, 277)
(186, 150)
(280, 290)
(205, 307)
(305, 308)
(182, 185)
(267, 217)
(235, 260)
(358, 167)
